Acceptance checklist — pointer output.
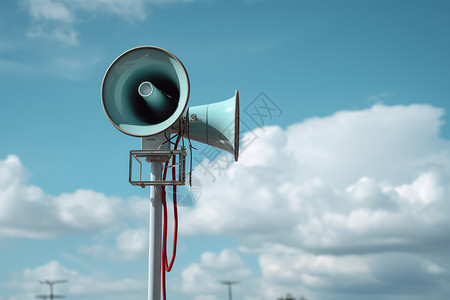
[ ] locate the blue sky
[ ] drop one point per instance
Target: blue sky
(342, 193)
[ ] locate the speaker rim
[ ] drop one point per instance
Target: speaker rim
(135, 49)
(236, 125)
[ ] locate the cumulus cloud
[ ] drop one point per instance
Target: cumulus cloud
(27, 211)
(336, 207)
(203, 278)
(285, 269)
(129, 244)
(26, 283)
(385, 275)
(325, 180)
(339, 199)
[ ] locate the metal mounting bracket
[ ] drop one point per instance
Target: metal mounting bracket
(149, 156)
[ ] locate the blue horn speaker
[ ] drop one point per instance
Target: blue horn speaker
(145, 91)
(216, 124)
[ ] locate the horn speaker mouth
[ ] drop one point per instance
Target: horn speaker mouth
(129, 111)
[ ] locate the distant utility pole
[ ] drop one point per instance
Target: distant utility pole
(229, 283)
(51, 283)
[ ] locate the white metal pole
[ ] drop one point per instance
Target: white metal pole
(155, 219)
(155, 226)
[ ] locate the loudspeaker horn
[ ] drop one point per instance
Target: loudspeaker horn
(215, 124)
(145, 91)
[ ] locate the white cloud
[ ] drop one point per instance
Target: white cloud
(133, 242)
(52, 20)
(26, 211)
(338, 207)
(12, 172)
(56, 20)
(26, 283)
(203, 279)
(354, 179)
(423, 191)
(49, 10)
(284, 268)
(86, 209)
(331, 204)
(344, 277)
(386, 275)
(129, 244)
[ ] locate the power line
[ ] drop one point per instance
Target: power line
(51, 296)
(229, 284)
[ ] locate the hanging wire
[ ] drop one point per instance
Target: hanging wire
(165, 266)
(169, 139)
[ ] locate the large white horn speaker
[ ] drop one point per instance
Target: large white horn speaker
(216, 124)
(145, 91)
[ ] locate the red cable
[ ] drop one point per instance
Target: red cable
(164, 265)
(175, 216)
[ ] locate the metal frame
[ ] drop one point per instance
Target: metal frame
(157, 156)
